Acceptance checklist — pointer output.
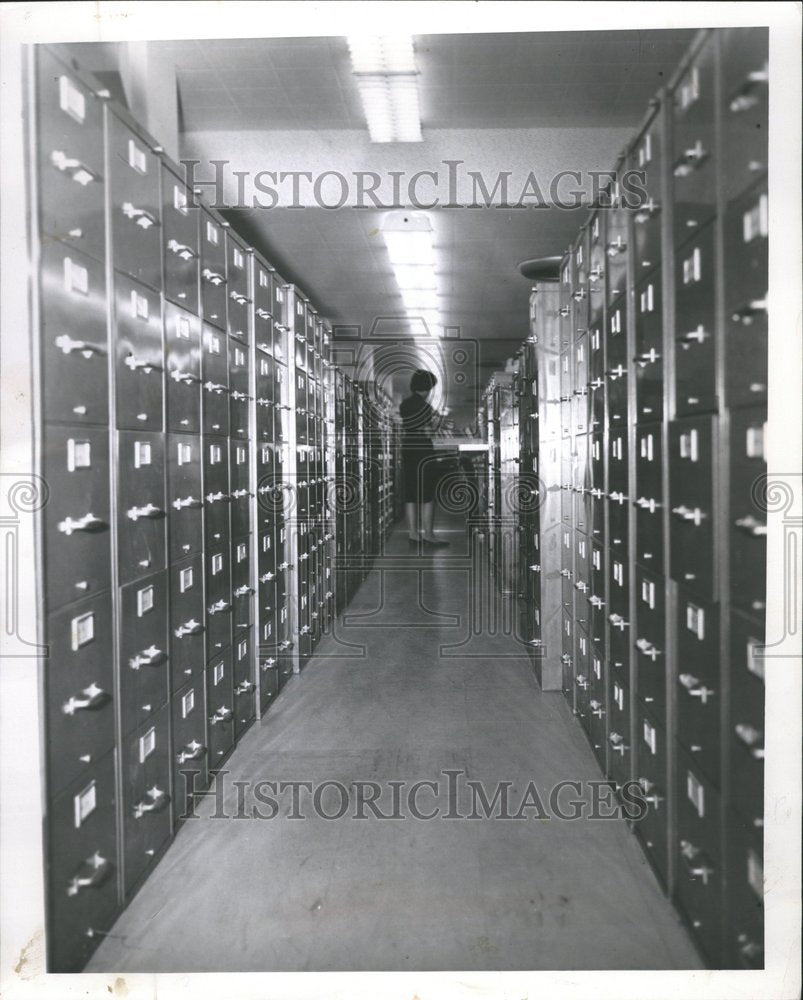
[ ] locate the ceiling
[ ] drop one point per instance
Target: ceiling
(515, 102)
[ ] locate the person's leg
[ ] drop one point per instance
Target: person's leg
(427, 519)
(411, 512)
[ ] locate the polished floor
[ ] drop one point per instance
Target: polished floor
(417, 680)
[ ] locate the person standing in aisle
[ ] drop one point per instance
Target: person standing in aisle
(419, 466)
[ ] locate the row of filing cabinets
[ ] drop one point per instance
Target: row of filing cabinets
(185, 411)
(651, 377)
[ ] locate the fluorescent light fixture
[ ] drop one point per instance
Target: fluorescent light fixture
(410, 248)
(408, 238)
(414, 276)
(420, 298)
(386, 79)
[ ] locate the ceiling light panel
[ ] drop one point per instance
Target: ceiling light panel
(384, 67)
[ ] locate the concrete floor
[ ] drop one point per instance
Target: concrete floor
(415, 694)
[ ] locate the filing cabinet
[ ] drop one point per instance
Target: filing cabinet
(80, 689)
(748, 486)
(695, 389)
(75, 343)
(242, 585)
(620, 745)
(240, 488)
(646, 159)
(651, 774)
(141, 520)
(187, 621)
(693, 152)
(139, 356)
(746, 232)
(213, 270)
(699, 685)
(618, 384)
(698, 886)
(239, 297)
(218, 598)
(143, 645)
(745, 932)
(617, 237)
(77, 548)
(135, 203)
(182, 359)
(188, 746)
(82, 874)
(146, 796)
(185, 495)
(215, 397)
(217, 497)
(648, 360)
(244, 685)
(269, 681)
(691, 450)
(747, 716)
(220, 709)
(745, 107)
(179, 242)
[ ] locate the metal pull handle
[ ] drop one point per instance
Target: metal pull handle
(579, 295)
(648, 649)
(696, 688)
(596, 273)
(647, 358)
(285, 645)
(285, 565)
(191, 627)
(693, 514)
(243, 688)
(618, 743)
(215, 387)
(648, 503)
(596, 602)
(236, 394)
(86, 523)
(217, 607)
(618, 245)
(91, 698)
(217, 497)
(262, 313)
(690, 160)
(183, 502)
(303, 630)
(143, 365)
(156, 800)
(695, 861)
(192, 751)
(751, 525)
(746, 97)
(221, 715)
(79, 172)
(94, 872)
(566, 573)
(241, 300)
(750, 950)
(699, 335)
(181, 250)
(179, 376)
(582, 587)
(618, 622)
(213, 277)
(748, 311)
(648, 211)
(565, 658)
(654, 800)
(581, 682)
(242, 591)
(140, 216)
(150, 511)
(752, 738)
(239, 494)
(267, 577)
(597, 708)
(267, 663)
(150, 657)
(67, 345)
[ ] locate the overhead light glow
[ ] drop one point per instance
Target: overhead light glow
(414, 276)
(384, 67)
(408, 238)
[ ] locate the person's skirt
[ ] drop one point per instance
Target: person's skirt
(420, 473)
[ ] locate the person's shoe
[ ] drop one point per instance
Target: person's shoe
(414, 543)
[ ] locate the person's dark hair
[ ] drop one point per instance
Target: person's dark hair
(422, 381)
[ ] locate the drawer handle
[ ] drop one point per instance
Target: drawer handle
(690, 160)
(748, 311)
(582, 587)
(618, 743)
(215, 387)
(241, 300)
(181, 250)
(648, 649)
(221, 715)
(567, 573)
(267, 664)
(183, 502)
(217, 607)
(217, 497)
(618, 622)
(150, 512)
(150, 657)
(746, 97)
(77, 170)
(647, 358)
(696, 688)
(693, 514)
(91, 698)
(191, 627)
(156, 800)
(285, 645)
(213, 277)
(581, 681)
(648, 503)
(564, 310)
(750, 950)
(654, 800)
(262, 313)
(699, 336)
(596, 708)
(93, 873)
(752, 738)
(579, 295)
(596, 602)
(285, 565)
(67, 345)
(617, 372)
(617, 496)
(140, 216)
(179, 376)
(565, 658)
(86, 523)
(617, 246)
(648, 211)
(261, 401)
(242, 591)
(329, 594)
(239, 494)
(695, 861)
(751, 525)
(143, 365)
(192, 751)
(596, 273)
(303, 630)
(243, 688)
(236, 394)
(267, 577)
